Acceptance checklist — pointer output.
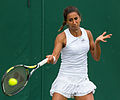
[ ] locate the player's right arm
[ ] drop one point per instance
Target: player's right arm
(59, 44)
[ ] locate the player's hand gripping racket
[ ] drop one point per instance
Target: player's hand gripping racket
(16, 78)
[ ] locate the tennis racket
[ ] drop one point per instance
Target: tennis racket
(22, 74)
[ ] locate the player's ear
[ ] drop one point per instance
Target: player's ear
(66, 23)
(80, 19)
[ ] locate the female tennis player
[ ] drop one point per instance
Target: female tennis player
(73, 44)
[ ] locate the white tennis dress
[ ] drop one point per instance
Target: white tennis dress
(72, 79)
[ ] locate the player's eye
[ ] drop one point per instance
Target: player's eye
(76, 18)
(70, 19)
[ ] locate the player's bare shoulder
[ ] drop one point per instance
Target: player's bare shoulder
(61, 38)
(89, 34)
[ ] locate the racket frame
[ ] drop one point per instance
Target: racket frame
(34, 67)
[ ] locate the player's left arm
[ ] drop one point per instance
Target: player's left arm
(95, 46)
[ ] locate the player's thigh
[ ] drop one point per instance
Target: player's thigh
(57, 96)
(86, 97)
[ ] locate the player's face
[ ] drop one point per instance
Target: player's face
(73, 20)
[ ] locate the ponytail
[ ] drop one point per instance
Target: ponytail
(61, 28)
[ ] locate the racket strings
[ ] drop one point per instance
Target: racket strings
(16, 75)
(20, 74)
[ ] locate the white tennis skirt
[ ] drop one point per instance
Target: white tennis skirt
(70, 87)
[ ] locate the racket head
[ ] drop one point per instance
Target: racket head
(21, 74)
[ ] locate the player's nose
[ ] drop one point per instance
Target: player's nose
(74, 22)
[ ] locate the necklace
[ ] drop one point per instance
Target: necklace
(77, 33)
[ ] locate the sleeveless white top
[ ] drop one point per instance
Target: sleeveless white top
(72, 79)
(74, 55)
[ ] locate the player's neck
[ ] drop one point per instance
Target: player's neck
(76, 32)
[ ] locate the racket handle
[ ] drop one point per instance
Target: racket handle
(43, 62)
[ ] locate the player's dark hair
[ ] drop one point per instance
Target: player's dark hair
(68, 10)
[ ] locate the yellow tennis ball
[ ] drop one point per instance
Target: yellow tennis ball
(12, 82)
